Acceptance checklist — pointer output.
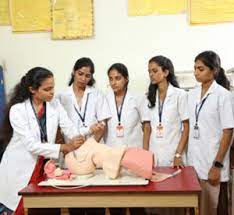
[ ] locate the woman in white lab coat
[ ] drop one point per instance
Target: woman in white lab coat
(126, 125)
(29, 129)
(87, 107)
(211, 125)
(168, 114)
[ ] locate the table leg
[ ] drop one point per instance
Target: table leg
(25, 211)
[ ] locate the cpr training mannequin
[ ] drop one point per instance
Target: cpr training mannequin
(92, 155)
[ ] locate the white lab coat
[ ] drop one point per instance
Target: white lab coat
(216, 114)
(20, 157)
(175, 110)
(97, 107)
(131, 119)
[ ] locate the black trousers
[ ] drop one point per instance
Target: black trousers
(223, 199)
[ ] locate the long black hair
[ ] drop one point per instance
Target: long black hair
(33, 78)
(165, 64)
(212, 60)
(83, 62)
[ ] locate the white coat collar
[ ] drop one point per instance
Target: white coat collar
(211, 90)
(128, 96)
(170, 92)
(33, 120)
(88, 90)
(49, 107)
(29, 110)
(111, 96)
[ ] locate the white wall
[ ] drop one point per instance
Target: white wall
(118, 38)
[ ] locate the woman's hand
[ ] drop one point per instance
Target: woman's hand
(66, 148)
(74, 144)
(178, 163)
(214, 176)
(98, 129)
(77, 141)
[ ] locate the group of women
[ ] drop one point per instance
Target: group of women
(180, 128)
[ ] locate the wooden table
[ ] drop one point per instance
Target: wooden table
(182, 190)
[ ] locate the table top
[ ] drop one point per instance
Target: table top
(185, 182)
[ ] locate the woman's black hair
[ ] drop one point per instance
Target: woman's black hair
(212, 60)
(33, 78)
(83, 62)
(165, 64)
(121, 68)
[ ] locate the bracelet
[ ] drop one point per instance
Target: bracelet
(177, 155)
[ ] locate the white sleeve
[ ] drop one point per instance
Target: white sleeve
(226, 111)
(102, 107)
(60, 98)
(183, 105)
(232, 97)
(57, 96)
(21, 127)
(66, 125)
(144, 110)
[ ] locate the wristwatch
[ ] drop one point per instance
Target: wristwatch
(177, 155)
(217, 164)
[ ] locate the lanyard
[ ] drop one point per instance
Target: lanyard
(197, 111)
(42, 127)
(119, 112)
(82, 118)
(160, 109)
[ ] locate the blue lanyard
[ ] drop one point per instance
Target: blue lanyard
(197, 111)
(42, 126)
(119, 112)
(82, 118)
(160, 109)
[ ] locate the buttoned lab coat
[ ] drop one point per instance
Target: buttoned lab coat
(131, 118)
(22, 152)
(175, 110)
(216, 114)
(97, 107)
